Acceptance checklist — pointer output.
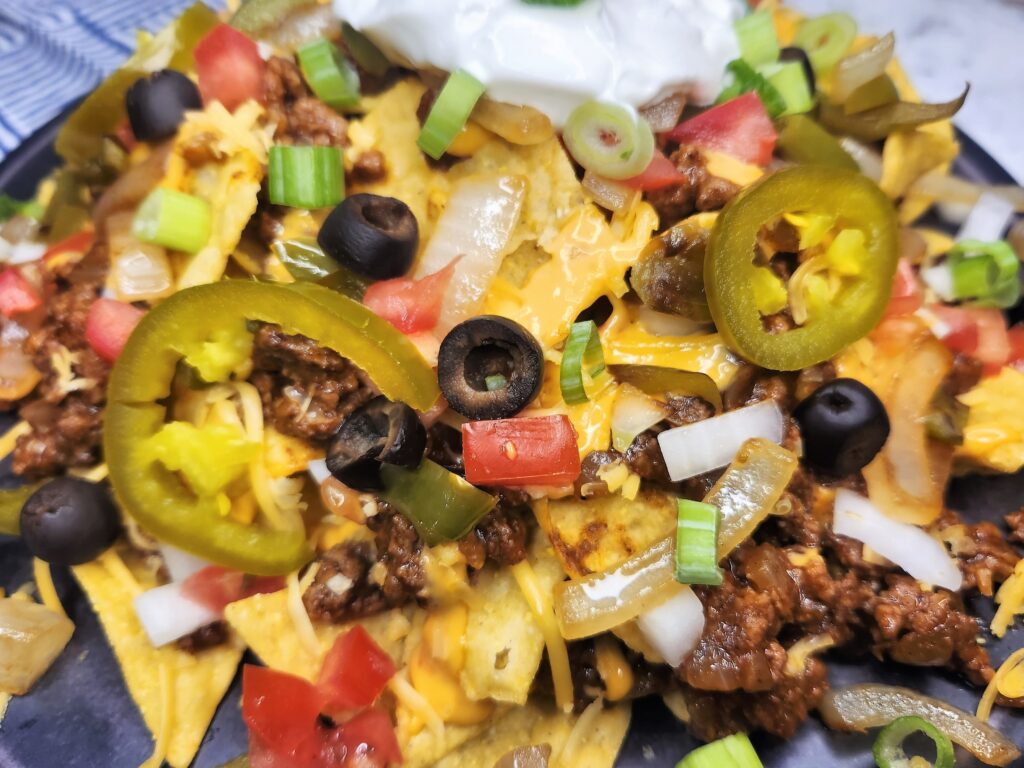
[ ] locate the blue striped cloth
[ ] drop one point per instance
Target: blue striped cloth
(53, 51)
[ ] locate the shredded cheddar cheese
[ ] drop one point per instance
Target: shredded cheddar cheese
(1010, 599)
(558, 654)
(10, 437)
(301, 620)
(414, 701)
(44, 583)
(1009, 671)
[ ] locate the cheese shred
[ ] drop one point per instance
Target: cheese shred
(301, 620)
(988, 698)
(44, 583)
(10, 437)
(163, 735)
(558, 654)
(581, 731)
(416, 703)
(1010, 599)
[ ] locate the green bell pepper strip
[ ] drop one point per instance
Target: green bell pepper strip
(875, 124)
(306, 262)
(141, 382)
(655, 380)
(803, 141)
(11, 502)
(81, 138)
(442, 505)
(858, 307)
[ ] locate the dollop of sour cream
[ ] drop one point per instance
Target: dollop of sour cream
(632, 52)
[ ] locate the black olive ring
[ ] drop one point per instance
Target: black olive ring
(372, 235)
(484, 347)
(377, 432)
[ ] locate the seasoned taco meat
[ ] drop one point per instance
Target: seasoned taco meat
(698, 191)
(399, 550)
(503, 533)
(204, 638)
(307, 390)
(65, 413)
(342, 589)
(300, 117)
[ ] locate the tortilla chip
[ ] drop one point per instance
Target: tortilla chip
(200, 680)
(596, 746)
(265, 625)
(423, 748)
(597, 534)
(909, 155)
(503, 641)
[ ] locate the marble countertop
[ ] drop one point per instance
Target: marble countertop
(942, 44)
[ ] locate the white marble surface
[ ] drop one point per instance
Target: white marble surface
(943, 43)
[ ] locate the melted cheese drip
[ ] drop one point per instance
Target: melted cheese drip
(10, 437)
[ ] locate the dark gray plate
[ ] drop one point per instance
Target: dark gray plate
(81, 716)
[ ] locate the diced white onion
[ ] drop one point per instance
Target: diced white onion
(940, 279)
(954, 190)
(476, 225)
(632, 414)
(694, 449)
(674, 627)
(988, 220)
(664, 116)
(608, 194)
(141, 271)
(318, 470)
(25, 253)
(665, 324)
(167, 615)
(870, 162)
(908, 546)
(181, 564)
(31, 637)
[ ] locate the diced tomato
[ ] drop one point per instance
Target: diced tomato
(369, 739)
(76, 243)
(516, 452)
(906, 291)
(739, 127)
(215, 586)
(17, 294)
(1016, 338)
(281, 712)
(660, 173)
(229, 67)
(108, 326)
(355, 671)
(410, 305)
(125, 135)
(977, 332)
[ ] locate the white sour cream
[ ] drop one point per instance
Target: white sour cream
(632, 52)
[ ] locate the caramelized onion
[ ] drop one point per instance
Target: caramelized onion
(133, 186)
(870, 705)
(664, 116)
(31, 637)
(515, 124)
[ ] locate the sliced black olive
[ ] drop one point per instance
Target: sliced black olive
(371, 235)
(793, 53)
(69, 521)
(157, 104)
(599, 311)
(489, 367)
(843, 425)
(377, 432)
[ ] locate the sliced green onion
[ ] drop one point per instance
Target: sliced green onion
(758, 42)
(697, 543)
(367, 55)
(305, 177)
(826, 39)
(451, 110)
(888, 749)
(10, 207)
(985, 274)
(174, 220)
(331, 77)
(497, 381)
(745, 79)
(609, 139)
(790, 82)
(582, 351)
(734, 751)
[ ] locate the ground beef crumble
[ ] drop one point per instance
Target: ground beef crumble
(204, 638)
(698, 191)
(342, 589)
(399, 550)
(503, 533)
(66, 425)
(307, 390)
(299, 117)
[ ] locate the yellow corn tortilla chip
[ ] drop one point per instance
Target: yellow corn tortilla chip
(265, 625)
(200, 680)
(595, 746)
(597, 534)
(503, 641)
(422, 748)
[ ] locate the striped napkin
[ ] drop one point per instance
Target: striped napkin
(54, 51)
